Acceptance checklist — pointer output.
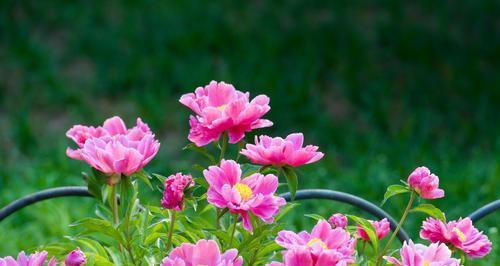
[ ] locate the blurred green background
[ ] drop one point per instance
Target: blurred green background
(381, 87)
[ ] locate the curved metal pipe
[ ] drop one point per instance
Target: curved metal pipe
(485, 210)
(363, 204)
(43, 195)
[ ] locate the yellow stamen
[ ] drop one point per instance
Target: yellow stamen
(460, 234)
(426, 263)
(315, 240)
(245, 191)
(222, 107)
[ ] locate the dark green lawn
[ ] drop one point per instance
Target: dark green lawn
(381, 87)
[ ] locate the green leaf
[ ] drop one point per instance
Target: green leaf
(249, 169)
(430, 210)
(316, 217)
(202, 150)
(292, 180)
(92, 225)
(394, 190)
(288, 207)
(369, 229)
(143, 175)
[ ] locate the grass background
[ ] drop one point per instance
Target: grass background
(381, 87)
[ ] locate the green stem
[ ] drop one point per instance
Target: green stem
(171, 229)
(405, 213)
(114, 207)
(223, 146)
(235, 221)
(362, 252)
(463, 259)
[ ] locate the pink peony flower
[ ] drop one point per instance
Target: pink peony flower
(278, 151)
(425, 183)
(204, 252)
(382, 228)
(35, 259)
(419, 255)
(75, 258)
(112, 148)
(461, 234)
(219, 107)
(322, 239)
(254, 193)
(173, 196)
(302, 256)
(338, 220)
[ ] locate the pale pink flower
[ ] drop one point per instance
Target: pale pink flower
(75, 258)
(437, 254)
(425, 183)
(112, 148)
(323, 238)
(382, 228)
(338, 220)
(204, 252)
(302, 256)
(461, 234)
(278, 151)
(35, 259)
(219, 107)
(254, 193)
(173, 196)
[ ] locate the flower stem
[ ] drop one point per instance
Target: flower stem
(114, 207)
(463, 260)
(171, 229)
(235, 221)
(405, 213)
(223, 146)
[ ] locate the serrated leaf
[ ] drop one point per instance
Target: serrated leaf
(430, 210)
(393, 190)
(292, 180)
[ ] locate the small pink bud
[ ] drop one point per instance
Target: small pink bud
(338, 220)
(75, 258)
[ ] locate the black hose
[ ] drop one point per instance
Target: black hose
(485, 210)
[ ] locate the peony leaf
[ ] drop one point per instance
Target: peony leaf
(430, 210)
(292, 180)
(393, 190)
(369, 229)
(316, 217)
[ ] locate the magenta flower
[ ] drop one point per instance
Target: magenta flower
(219, 107)
(323, 238)
(461, 234)
(75, 258)
(382, 228)
(254, 193)
(279, 152)
(35, 259)
(112, 148)
(425, 183)
(302, 256)
(338, 220)
(173, 196)
(204, 252)
(419, 255)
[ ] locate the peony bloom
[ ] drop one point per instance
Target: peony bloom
(173, 196)
(204, 252)
(75, 258)
(322, 239)
(419, 255)
(112, 148)
(425, 183)
(279, 152)
(219, 107)
(382, 228)
(254, 193)
(461, 234)
(338, 220)
(35, 259)
(302, 256)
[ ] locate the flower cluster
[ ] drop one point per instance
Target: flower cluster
(226, 213)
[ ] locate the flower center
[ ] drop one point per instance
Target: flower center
(460, 234)
(244, 190)
(315, 240)
(222, 107)
(426, 263)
